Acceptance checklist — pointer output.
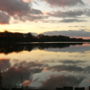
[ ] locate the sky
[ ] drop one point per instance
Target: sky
(44, 15)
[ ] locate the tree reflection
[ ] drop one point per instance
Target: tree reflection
(9, 48)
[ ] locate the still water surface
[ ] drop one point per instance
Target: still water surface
(47, 67)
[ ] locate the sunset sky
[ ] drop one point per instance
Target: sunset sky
(44, 15)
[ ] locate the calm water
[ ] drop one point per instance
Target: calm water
(45, 66)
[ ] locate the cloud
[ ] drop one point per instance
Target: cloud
(32, 17)
(4, 18)
(19, 9)
(65, 2)
(66, 68)
(75, 33)
(72, 62)
(78, 26)
(61, 81)
(72, 20)
(22, 10)
(24, 69)
(34, 11)
(75, 15)
(14, 7)
(88, 12)
(65, 14)
(70, 15)
(4, 64)
(27, 0)
(44, 79)
(9, 81)
(72, 49)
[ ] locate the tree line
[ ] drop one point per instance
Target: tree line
(11, 37)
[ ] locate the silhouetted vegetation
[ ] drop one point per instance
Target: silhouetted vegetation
(9, 37)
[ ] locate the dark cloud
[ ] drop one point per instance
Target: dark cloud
(87, 12)
(72, 49)
(87, 69)
(72, 20)
(61, 81)
(65, 14)
(14, 7)
(50, 80)
(19, 75)
(65, 2)
(20, 71)
(34, 11)
(72, 33)
(4, 64)
(19, 9)
(72, 62)
(71, 15)
(66, 68)
(4, 18)
(33, 17)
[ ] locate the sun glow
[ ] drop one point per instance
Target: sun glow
(41, 27)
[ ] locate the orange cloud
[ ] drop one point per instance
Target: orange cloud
(3, 59)
(27, 1)
(26, 83)
(65, 2)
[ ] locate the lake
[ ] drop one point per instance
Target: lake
(45, 65)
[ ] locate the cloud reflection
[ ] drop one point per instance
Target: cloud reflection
(42, 69)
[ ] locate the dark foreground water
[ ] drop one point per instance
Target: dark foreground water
(45, 65)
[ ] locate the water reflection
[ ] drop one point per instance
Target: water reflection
(9, 48)
(43, 67)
